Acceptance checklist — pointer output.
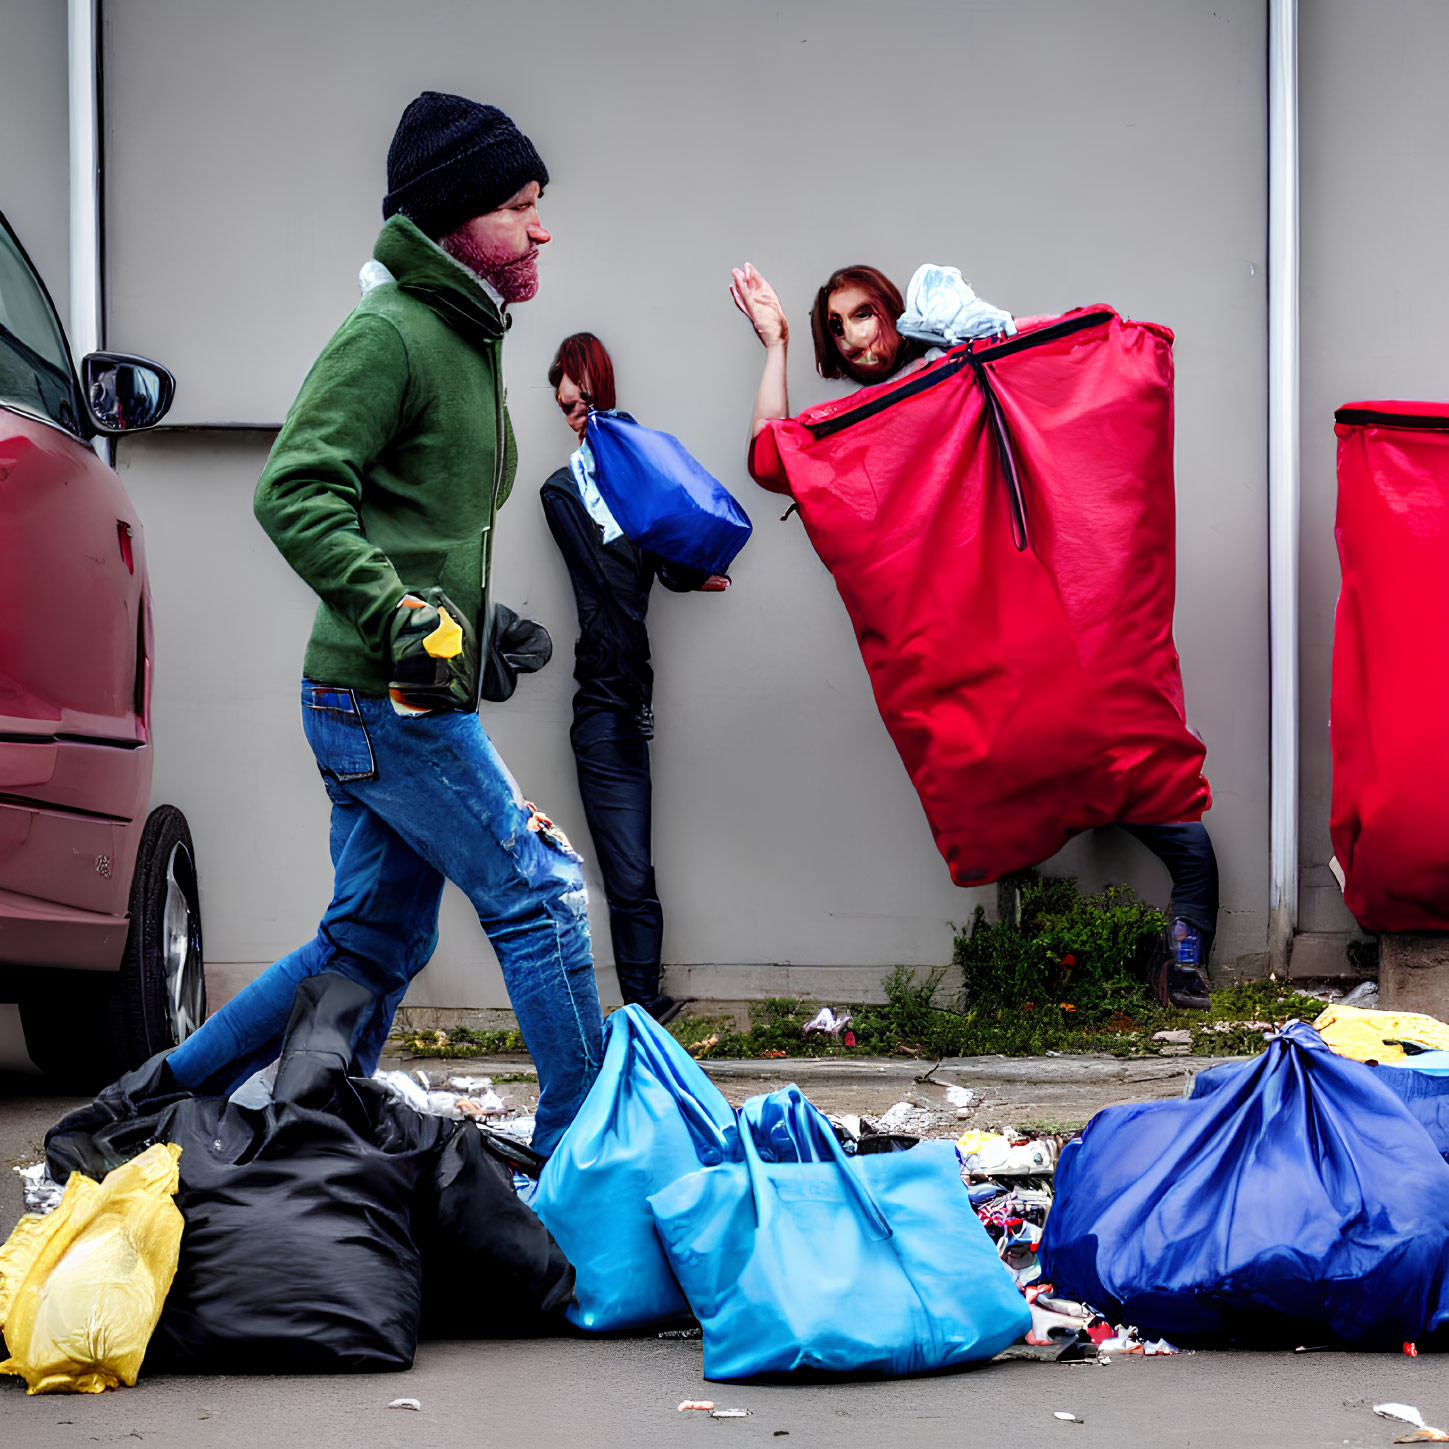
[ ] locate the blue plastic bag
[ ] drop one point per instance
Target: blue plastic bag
(843, 1264)
(1298, 1200)
(662, 499)
(651, 1116)
(1423, 1089)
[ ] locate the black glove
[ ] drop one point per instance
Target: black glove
(516, 646)
(429, 639)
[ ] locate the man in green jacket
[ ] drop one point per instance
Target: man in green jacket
(381, 492)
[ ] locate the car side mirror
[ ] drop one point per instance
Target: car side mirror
(123, 393)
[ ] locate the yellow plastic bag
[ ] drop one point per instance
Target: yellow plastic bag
(1356, 1032)
(82, 1287)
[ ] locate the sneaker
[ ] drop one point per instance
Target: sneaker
(1186, 988)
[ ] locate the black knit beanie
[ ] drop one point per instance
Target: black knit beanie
(452, 159)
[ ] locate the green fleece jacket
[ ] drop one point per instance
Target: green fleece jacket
(394, 459)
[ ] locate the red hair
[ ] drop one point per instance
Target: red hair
(585, 359)
(889, 304)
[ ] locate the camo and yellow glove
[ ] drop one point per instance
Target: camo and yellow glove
(429, 639)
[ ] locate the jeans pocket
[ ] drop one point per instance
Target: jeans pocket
(337, 732)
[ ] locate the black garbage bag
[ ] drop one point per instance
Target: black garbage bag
(325, 1229)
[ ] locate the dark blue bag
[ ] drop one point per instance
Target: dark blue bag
(662, 499)
(651, 1117)
(1297, 1200)
(1424, 1090)
(836, 1263)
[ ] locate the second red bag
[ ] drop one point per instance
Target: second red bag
(1390, 695)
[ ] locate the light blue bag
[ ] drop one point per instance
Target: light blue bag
(844, 1264)
(662, 498)
(651, 1116)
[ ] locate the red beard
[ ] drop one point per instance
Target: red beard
(514, 278)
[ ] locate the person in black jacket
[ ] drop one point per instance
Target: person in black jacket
(613, 707)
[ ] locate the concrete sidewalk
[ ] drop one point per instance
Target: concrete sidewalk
(1058, 1094)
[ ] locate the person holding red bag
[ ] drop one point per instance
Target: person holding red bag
(855, 336)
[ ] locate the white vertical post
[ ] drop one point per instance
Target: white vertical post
(1283, 473)
(85, 181)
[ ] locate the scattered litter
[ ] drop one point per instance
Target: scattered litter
(1365, 994)
(695, 1332)
(705, 1404)
(773, 1053)
(960, 1096)
(519, 1128)
(402, 1086)
(1175, 1038)
(490, 1104)
(700, 1047)
(1067, 1418)
(42, 1192)
(1411, 1350)
(907, 1117)
(989, 1154)
(406, 1404)
(825, 1020)
(1408, 1414)
(730, 1413)
(474, 1097)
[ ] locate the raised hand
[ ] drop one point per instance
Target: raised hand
(756, 298)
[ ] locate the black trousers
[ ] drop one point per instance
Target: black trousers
(612, 757)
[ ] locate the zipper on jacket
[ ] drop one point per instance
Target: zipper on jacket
(1371, 418)
(500, 453)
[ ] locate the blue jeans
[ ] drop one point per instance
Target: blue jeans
(414, 800)
(612, 757)
(1187, 852)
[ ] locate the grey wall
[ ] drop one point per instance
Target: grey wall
(1060, 153)
(34, 120)
(1375, 305)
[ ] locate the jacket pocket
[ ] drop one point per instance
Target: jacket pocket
(337, 732)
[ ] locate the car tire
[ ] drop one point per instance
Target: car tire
(160, 997)
(88, 1027)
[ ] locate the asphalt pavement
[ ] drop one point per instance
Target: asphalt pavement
(579, 1393)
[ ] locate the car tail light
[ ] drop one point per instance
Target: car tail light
(123, 533)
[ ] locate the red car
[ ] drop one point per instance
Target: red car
(100, 927)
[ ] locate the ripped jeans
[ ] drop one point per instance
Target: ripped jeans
(415, 800)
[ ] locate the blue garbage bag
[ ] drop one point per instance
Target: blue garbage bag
(651, 1116)
(1424, 1090)
(662, 498)
(835, 1263)
(1299, 1200)
(786, 1126)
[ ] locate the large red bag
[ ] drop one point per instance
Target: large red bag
(1001, 528)
(1390, 813)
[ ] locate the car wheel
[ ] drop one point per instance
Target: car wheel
(160, 998)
